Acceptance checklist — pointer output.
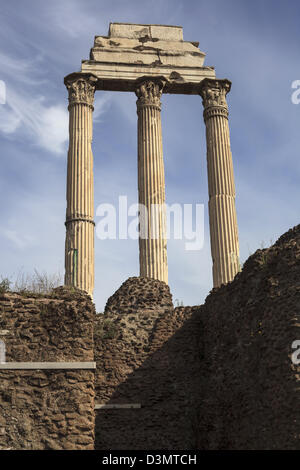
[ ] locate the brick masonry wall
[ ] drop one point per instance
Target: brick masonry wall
(250, 387)
(217, 376)
(47, 409)
(146, 354)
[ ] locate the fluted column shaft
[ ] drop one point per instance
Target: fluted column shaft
(151, 180)
(222, 211)
(79, 249)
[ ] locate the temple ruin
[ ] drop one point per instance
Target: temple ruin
(146, 375)
(148, 60)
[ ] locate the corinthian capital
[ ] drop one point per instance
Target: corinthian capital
(213, 92)
(81, 88)
(149, 90)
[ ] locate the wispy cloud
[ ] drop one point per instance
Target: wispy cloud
(19, 240)
(25, 71)
(74, 18)
(101, 106)
(45, 126)
(9, 120)
(43, 123)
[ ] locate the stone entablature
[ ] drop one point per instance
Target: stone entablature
(131, 51)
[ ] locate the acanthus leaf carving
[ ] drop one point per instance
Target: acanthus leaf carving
(213, 92)
(149, 91)
(81, 89)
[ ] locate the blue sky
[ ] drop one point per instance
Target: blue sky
(254, 44)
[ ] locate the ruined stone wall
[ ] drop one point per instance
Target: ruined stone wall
(146, 354)
(217, 376)
(250, 387)
(47, 409)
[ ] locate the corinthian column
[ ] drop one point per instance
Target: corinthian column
(79, 250)
(151, 180)
(222, 212)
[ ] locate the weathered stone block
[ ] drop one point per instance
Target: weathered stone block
(131, 51)
(156, 31)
